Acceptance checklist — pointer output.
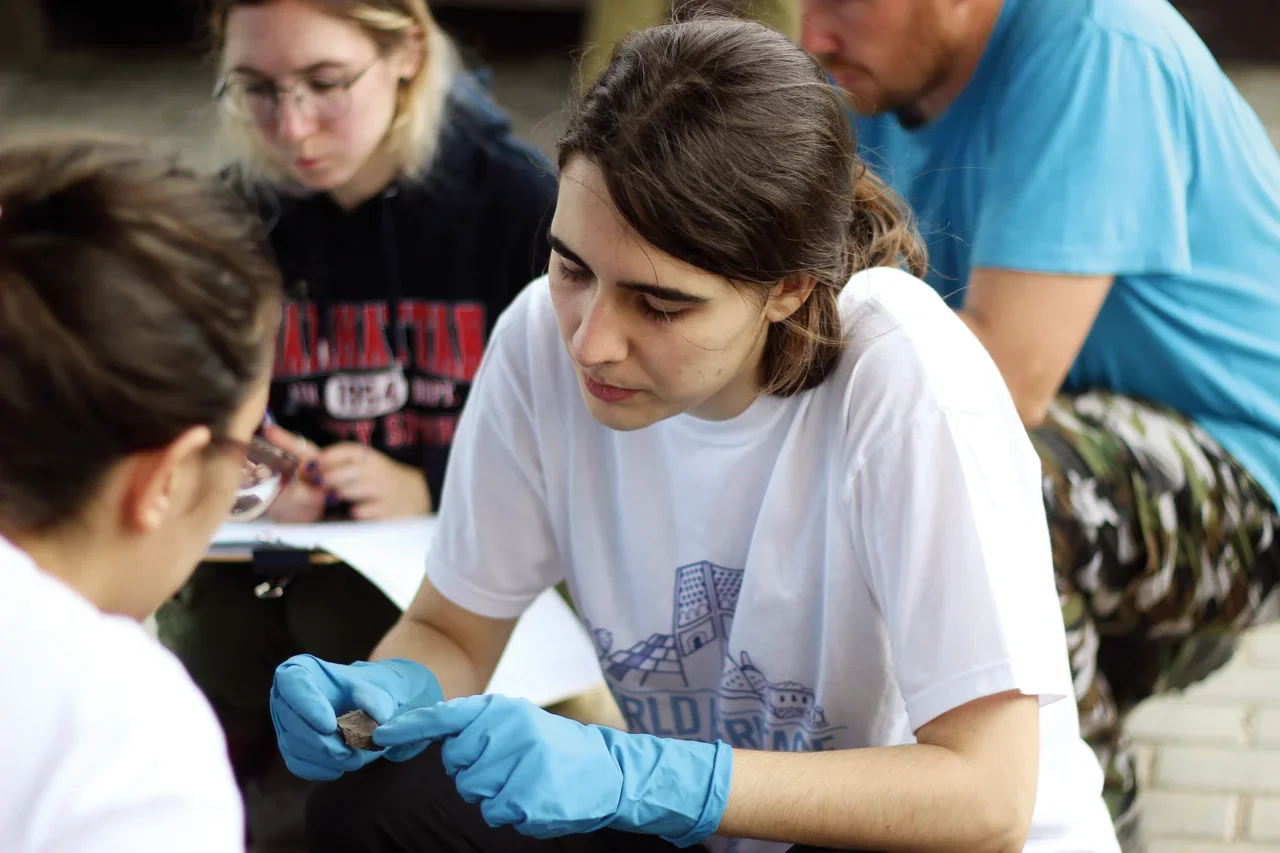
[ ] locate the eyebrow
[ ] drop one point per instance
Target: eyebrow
(657, 291)
(310, 69)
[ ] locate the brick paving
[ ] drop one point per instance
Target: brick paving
(1211, 758)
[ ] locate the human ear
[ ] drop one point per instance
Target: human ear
(788, 295)
(162, 482)
(409, 56)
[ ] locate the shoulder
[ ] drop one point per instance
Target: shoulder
(105, 675)
(525, 363)
(526, 334)
(104, 705)
(1096, 40)
(1062, 87)
(146, 703)
(1149, 25)
(908, 358)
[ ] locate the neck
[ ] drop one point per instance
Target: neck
(81, 561)
(728, 402)
(376, 173)
(953, 78)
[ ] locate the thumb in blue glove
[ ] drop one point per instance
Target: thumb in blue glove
(550, 776)
(308, 695)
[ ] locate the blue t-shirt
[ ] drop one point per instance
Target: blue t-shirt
(1100, 137)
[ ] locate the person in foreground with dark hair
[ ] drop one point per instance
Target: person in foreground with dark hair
(789, 491)
(138, 307)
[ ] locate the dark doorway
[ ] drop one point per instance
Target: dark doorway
(181, 25)
(1236, 30)
(132, 25)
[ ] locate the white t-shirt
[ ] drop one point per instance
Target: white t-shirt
(107, 745)
(827, 571)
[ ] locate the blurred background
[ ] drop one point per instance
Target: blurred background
(141, 67)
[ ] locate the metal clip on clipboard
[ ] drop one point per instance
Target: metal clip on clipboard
(277, 562)
(281, 564)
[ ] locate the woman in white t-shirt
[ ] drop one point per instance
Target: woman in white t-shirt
(138, 307)
(790, 495)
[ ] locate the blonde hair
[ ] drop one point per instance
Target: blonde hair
(414, 134)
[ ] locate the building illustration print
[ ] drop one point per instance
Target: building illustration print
(653, 679)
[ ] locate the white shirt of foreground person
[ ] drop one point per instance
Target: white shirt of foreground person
(109, 747)
(828, 571)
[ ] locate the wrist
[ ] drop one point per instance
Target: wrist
(421, 688)
(687, 804)
(716, 800)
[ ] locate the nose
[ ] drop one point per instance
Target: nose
(601, 337)
(816, 34)
(293, 122)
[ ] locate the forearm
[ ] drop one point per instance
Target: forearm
(1027, 384)
(1033, 325)
(916, 797)
(415, 640)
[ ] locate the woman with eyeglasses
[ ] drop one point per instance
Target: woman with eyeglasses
(138, 308)
(404, 216)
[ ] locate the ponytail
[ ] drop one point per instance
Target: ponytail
(801, 351)
(882, 232)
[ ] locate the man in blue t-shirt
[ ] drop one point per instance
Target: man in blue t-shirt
(1103, 210)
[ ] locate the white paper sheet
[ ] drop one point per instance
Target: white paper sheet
(549, 658)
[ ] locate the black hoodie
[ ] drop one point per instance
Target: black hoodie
(390, 304)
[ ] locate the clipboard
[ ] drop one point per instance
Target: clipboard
(550, 656)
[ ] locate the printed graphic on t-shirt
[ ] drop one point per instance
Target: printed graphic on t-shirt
(351, 396)
(652, 679)
(403, 368)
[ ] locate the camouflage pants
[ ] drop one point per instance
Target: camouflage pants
(1165, 550)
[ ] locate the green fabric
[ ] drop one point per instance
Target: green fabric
(1163, 545)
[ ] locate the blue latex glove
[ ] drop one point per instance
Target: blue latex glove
(549, 776)
(308, 695)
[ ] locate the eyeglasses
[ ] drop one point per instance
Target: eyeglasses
(327, 98)
(267, 470)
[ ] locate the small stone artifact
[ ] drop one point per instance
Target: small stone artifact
(357, 730)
